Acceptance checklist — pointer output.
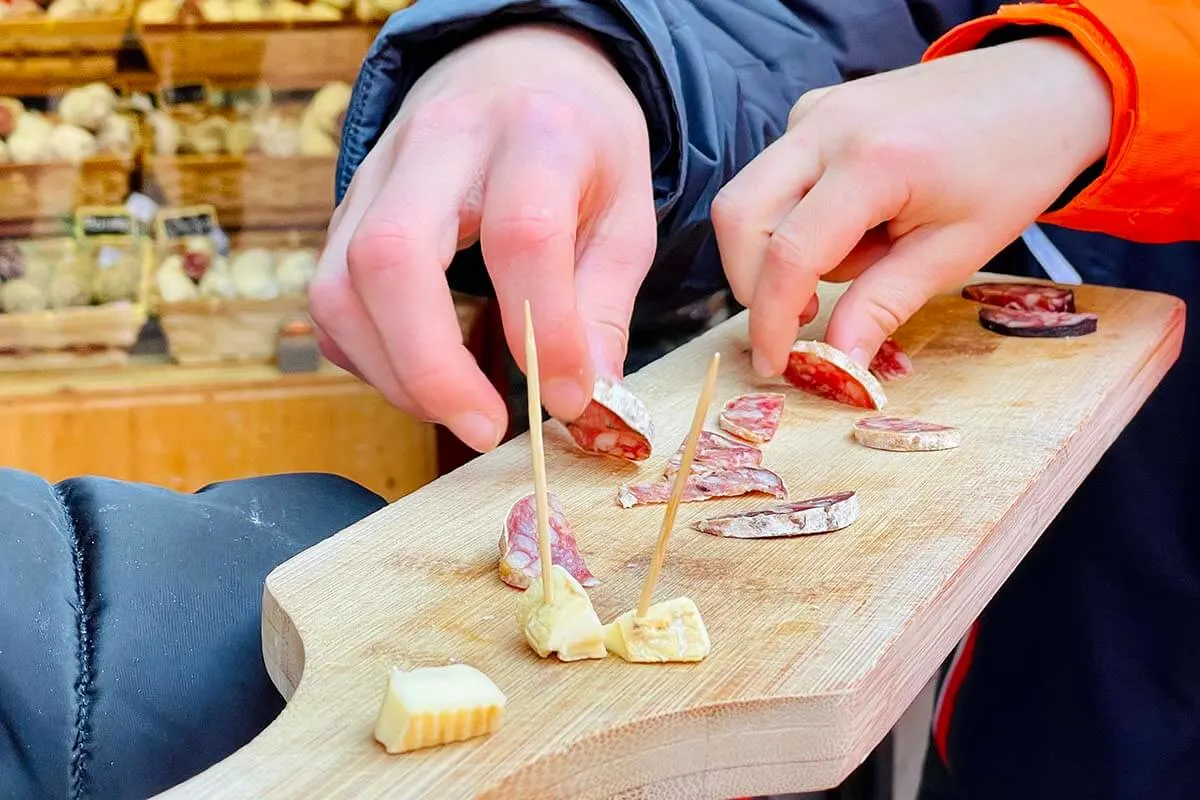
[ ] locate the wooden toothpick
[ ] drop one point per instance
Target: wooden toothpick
(685, 468)
(541, 501)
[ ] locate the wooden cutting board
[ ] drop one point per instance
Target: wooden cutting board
(819, 643)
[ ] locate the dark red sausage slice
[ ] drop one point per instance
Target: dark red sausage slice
(1037, 324)
(1021, 296)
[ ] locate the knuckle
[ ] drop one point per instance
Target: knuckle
(435, 119)
(544, 113)
(785, 250)
(805, 104)
(379, 244)
(530, 227)
(892, 309)
(727, 212)
(328, 301)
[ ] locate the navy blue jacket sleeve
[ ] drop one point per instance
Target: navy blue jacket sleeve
(715, 78)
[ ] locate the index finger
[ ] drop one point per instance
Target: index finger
(814, 238)
(397, 261)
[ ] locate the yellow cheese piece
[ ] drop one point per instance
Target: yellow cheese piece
(671, 631)
(429, 706)
(568, 626)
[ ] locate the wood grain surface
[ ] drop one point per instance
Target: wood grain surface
(819, 643)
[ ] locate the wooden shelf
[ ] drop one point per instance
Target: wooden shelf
(184, 427)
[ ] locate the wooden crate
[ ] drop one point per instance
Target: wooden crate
(214, 331)
(249, 191)
(302, 55)
(75, 338)
(37, 196)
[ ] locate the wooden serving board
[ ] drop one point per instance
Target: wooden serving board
(819, 643)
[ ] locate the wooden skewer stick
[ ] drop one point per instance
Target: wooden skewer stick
(685, 468)
(541, 501)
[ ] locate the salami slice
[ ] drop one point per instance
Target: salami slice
(714, 451)
(1037, 324)
(520, 564)
(905, 435)
(891, 363)
(705, 486)
(819, 369)
(753, 417)
(818, 515)
(615, 423)
(1021, 296)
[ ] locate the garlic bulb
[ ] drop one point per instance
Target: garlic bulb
(173, 285)
(295, 270)
(116, 135)
(30, 139)
(72, 144)
(88, 106)
(120, 281)
(254, 274)
(315, 142)
(327, 105)
(66, 290)
(218, 281)
(66, 9)
(21, 295)
(247, 11)
(207, 136)
(217, 10)
(166, 133)
(277, 136)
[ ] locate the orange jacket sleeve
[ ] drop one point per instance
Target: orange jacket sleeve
(1149, 190)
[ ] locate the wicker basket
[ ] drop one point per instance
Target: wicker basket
(224, 331)
(36, 197)
(249, 191)
(303, 55)
(74, 338)
(40, 36)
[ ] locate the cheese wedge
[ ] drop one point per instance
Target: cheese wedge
(671, 631)
(568, 626)
(429, 706)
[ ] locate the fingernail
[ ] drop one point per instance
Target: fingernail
(477, 431)
(759, 362)
(562, 393)
(860, 356)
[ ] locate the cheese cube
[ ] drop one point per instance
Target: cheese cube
(567, 626)
(671, 631)
(430, 706)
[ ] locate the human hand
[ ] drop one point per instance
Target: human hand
(905, 183)
(528, 141)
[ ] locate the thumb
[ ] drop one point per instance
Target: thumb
(610, 270)
(918, 266)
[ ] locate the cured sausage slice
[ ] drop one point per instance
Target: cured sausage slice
(714, 451)
(705, 486)
(753, 417)
(819, 369)
(615, 423)
(818, 515)
(1021, 296)
(520, 564)
(905, 435)
(891, 363)
(1037, 324)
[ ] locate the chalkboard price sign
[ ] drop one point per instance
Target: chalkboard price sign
(182, 95)
(178, 223)
(104, 221)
